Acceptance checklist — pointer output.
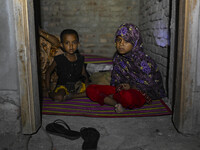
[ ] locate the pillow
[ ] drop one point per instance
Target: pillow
(101, 78)
(92, 68)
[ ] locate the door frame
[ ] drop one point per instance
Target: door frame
(187, 88)
(185, 105)
(27, 65)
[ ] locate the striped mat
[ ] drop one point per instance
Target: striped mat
(85, 107)
(97, 59)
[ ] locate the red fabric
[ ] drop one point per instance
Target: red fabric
(130, 98)
(127, 98)
(97, 93)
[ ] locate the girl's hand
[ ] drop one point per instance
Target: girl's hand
(126, 86)
(123, 86)
(148, 99)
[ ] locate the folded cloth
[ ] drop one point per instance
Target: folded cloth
(92, 68)
(101, 78)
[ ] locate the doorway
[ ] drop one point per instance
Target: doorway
(189, 10)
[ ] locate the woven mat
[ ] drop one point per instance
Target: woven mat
(85, 107)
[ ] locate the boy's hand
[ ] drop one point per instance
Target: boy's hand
(45, 93)
(123, 86)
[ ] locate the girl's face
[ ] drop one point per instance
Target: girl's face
(70, 43)
(123, 46)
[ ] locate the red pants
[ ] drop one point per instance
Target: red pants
(127, 98)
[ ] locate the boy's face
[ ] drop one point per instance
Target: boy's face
(70, 43)
(123, 46)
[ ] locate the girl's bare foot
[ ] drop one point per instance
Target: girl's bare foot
(119, 108)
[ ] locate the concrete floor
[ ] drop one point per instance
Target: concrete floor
(139, 133)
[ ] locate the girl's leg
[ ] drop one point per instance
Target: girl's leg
(103, 95)
(110, 101)
(130, 98)
(97, 93)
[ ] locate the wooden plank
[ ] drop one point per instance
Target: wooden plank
(27, 65)
(186, 107)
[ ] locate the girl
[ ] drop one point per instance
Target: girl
(135, 78)
(72, 77)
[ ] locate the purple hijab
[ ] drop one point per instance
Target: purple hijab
(135, 67)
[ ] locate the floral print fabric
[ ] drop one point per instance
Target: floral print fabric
(135, 67)
(46, 54)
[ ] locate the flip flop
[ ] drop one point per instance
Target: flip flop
(57, 128)
(90, 136)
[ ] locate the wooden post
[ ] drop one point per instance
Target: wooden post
(186, 116)
(27, 65)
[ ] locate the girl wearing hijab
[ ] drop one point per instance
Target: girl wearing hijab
(135, 78)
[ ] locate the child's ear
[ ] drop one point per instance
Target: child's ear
(61, 45)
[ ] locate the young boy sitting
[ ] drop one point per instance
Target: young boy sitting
(70, 69)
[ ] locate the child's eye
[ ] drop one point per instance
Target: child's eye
(75, 42)
(66, 42)
(125, 42)
(118, 40)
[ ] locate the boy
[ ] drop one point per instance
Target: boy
(69, 66)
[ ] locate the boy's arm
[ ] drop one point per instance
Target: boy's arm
(85, 75)
(48, 76)
(50, 38)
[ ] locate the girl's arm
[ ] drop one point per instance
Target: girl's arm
(123, 86)
(50, 38)
(126, 86)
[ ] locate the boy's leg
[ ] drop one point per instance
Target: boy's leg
(58, 96)
(80, 89)
(77, 95)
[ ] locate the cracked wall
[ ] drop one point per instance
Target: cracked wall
(155, 28)
(9, 93)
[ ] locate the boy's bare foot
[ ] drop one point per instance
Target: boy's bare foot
(119, 108)
(55, 97)
(68, 96)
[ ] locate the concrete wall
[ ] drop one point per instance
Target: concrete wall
(154, 26)
(9, 93)
(14, 50)
(95, 20)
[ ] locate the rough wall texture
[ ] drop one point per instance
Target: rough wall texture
(9, 94)
(95, 20)
(154, 25)
(173, 49)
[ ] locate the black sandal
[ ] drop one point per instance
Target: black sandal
(90, 137)
(57, 128)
